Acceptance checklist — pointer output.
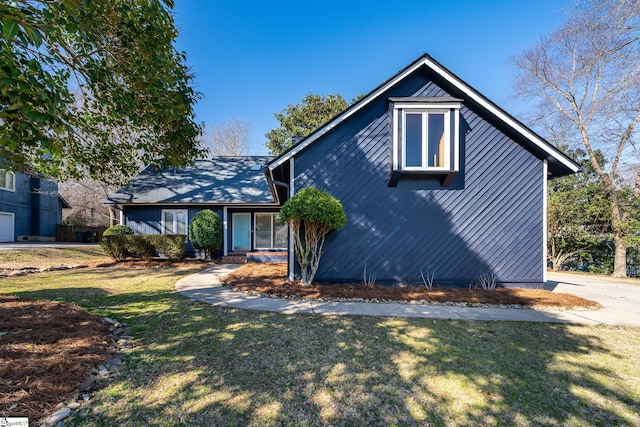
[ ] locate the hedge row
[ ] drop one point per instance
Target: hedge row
(146, 246)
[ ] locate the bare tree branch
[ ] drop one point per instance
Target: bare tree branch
(231, 138)
(585, 79)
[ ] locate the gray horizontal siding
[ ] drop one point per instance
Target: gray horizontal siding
(490, 220)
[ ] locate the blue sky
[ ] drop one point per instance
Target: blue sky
(253, 58)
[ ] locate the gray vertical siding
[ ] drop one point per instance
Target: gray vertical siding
(49, 208)
(18, 202)
(489, 221)
(148, 219)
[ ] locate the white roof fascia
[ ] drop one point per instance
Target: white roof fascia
(499, 113)
(342, 117)
(467, 90)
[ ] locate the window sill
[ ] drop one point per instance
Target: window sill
(447, 176)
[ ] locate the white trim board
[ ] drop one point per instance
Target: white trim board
(471, 93)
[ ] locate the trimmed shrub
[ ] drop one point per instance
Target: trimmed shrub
(171, 245)
(205, 232)
(142, 245)
(311, 214)
(118, 230)
(114, 241)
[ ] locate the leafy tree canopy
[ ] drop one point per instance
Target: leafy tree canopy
(300, 120)
(93, 88)
(579, 213)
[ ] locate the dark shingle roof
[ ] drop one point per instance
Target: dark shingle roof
(219, 180)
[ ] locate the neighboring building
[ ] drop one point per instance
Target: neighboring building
(432, 176)
(30, 207)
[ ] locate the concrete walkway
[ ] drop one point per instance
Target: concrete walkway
(618, 309)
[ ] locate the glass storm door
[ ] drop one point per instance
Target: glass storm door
(241, 231)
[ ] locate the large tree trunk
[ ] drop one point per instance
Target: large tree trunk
(112, 216)
(620, 258)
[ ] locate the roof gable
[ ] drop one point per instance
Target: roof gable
(559, 164)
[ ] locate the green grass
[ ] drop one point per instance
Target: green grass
(198, 365)
(47, 257)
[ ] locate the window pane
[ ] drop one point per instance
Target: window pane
(280, 235)
(263, 231)
(10, 181)
(436, 147)
(168, 222)
(181, 222)
(413, 140)
(3, 179)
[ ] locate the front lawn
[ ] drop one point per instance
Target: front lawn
(197, 365)
(14, 259)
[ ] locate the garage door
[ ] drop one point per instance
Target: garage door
(6, 227)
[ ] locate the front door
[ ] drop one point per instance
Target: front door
(241, 233)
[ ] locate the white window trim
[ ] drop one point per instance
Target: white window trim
(425, 139)
(451, 110)
(225, 231)
(273, 216)
(186, 216)
(13, 181)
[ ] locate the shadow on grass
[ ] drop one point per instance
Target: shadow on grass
(202, 365)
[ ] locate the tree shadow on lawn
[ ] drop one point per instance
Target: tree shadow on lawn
(201, 365)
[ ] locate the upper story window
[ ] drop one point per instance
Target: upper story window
(425, 134)
(7, 180)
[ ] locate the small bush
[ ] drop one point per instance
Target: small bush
(171, 245)
(118, 230)
(487, 281)
(141, 244)
(115, 243)
(311, 214)
(205, 232)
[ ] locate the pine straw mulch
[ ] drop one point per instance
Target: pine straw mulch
(269, 279)
(47, 349)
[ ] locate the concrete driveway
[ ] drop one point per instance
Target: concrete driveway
(32, 245)
(620, 300)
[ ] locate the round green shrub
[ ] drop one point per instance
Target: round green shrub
(311, 214)
(205, 232)
(314, 206)
(115, 241)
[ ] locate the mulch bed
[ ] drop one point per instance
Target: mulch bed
(269, 279)
(46, 350)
